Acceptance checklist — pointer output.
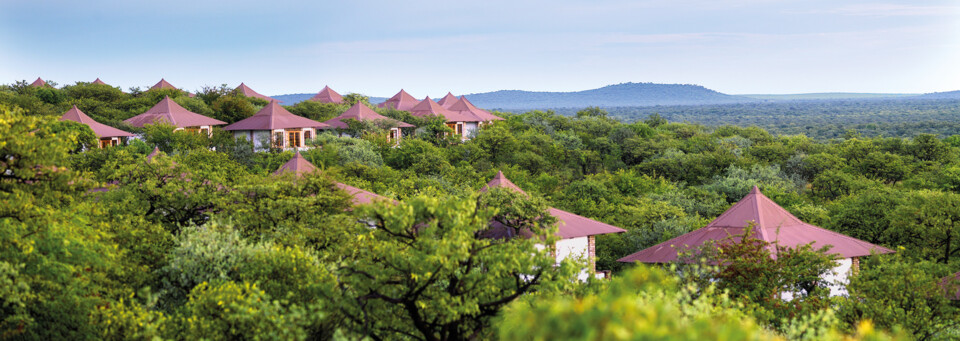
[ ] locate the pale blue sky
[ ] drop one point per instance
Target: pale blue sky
(431, 47)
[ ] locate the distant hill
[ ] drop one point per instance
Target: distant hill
(942, 95)
(619, 95)
(827, 96)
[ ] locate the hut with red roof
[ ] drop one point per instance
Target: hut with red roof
(162, 84)
(109, 136)
(951, 286)
(448, 100)
(98, 81)
(771, 223)
(327, 95)
(39, 82)
(172, 113)
(245, 90)
(577, 234)
(464, 106)
(401, 101)
(361, 112)
(275, 126)
(299, 166)
(463, 123)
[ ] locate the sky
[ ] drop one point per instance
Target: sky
(432, 47)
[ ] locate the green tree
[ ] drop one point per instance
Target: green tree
(928, 223)
(54, 263)
(894, 292)
(421, 272)
(592, 112)
(231, 109)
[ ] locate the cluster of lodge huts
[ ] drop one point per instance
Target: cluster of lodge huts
(274, 126)
(764, 218)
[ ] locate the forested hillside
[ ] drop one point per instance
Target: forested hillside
(818, 119)
(202, 240)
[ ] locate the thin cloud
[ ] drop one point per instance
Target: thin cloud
(889, 10)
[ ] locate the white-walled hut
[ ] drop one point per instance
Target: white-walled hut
(463, 123)
(275, 126)
(172, 113)
(577, 234)
(773, 224)
(463, 106)
(361, 112)
(109, 136)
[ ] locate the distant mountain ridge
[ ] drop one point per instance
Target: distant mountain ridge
(637, 95)
(618, 95)
(942, 95)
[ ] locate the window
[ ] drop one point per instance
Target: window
(205, 131)
(307, 136)
(278, 140)
(191, 129)
(393, 134)
(104, 143)
(460, 129)
(293, 140)
(452, 126)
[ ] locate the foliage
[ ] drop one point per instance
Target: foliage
(644, 303)
(895, 292)
(94, 242)
(422, 272)
(230, 311)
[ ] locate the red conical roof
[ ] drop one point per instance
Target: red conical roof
(569, 225)
(273, 116)
(98, 81)
(772, 224)
(38, 82)
(153, 154)
(298, 165)
(171, 112)
(401, 101)
(327, 95)
(247, 91)
(464, 106)
(361, 112)
(447, 100)
(951, 286)
(428, 107)
(102, 130)
(501, 181)
(162, 84)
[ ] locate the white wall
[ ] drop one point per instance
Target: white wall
(575, 248)
(836, 279)
(469, 129)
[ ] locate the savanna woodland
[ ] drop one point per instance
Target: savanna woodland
(203, 241)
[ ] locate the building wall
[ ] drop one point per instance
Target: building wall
(840, 277)
(264, 139)
(469, 130)
(575, 248)
(837, 279)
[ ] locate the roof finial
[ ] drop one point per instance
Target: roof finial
(755, 190)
